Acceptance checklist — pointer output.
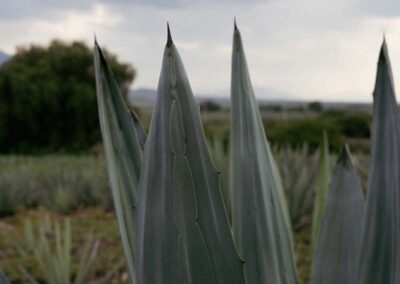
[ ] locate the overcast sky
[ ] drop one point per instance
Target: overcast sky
(296, 49)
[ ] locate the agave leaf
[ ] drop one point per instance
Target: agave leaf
(260, 219)
(380, 251)
(338, 246)
(183, 234)
(123, 153)
(3, 278)
(321, 190)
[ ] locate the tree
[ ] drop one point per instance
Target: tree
(48, 99)
(315, 106)
(210, 105)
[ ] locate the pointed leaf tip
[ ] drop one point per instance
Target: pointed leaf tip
(335, 258)
(169, 39)
(384, 54)
(234, 24)
(379, 258)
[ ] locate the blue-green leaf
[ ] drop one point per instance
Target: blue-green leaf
(260, 218)
(321, 190)
(183, 234)
(380, 251)
(338, 245)
(123, 153)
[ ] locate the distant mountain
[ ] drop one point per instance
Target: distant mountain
(3, 57)
(143, 96)
(147, 97)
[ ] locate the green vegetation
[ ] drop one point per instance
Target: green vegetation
(61, 183)
(50, 244)
(321, 190)
(298, 170)
(103, 226)
(290, 128)
(92, 230)
(340, 126)
(48, 100)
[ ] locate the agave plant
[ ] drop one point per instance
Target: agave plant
(183, 234)
(298, 168)
(260, 219)
(51, 245)
(337, 249)
(380, 251)
(321, 190)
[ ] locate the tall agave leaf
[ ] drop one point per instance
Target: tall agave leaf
(260, 219)
(183, 234)
(321, 190)
(380, 252)
(338, 246)
(123, 153)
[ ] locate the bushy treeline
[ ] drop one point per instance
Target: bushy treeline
(48, 99)
(340, 125)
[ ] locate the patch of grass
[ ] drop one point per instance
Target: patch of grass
(303, 253)
(63, 183)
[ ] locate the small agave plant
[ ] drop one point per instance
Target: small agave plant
(338, 244)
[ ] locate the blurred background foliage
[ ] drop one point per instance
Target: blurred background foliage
(48, 100)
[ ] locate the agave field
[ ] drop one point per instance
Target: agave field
(173, 205)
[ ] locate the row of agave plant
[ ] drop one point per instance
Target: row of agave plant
(171, 213)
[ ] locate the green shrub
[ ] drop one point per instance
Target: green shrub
(48, 100)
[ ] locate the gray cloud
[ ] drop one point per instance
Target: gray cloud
(22, 9)
(303, 49)
(384, 8)
(172, 4)
(12, 9)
